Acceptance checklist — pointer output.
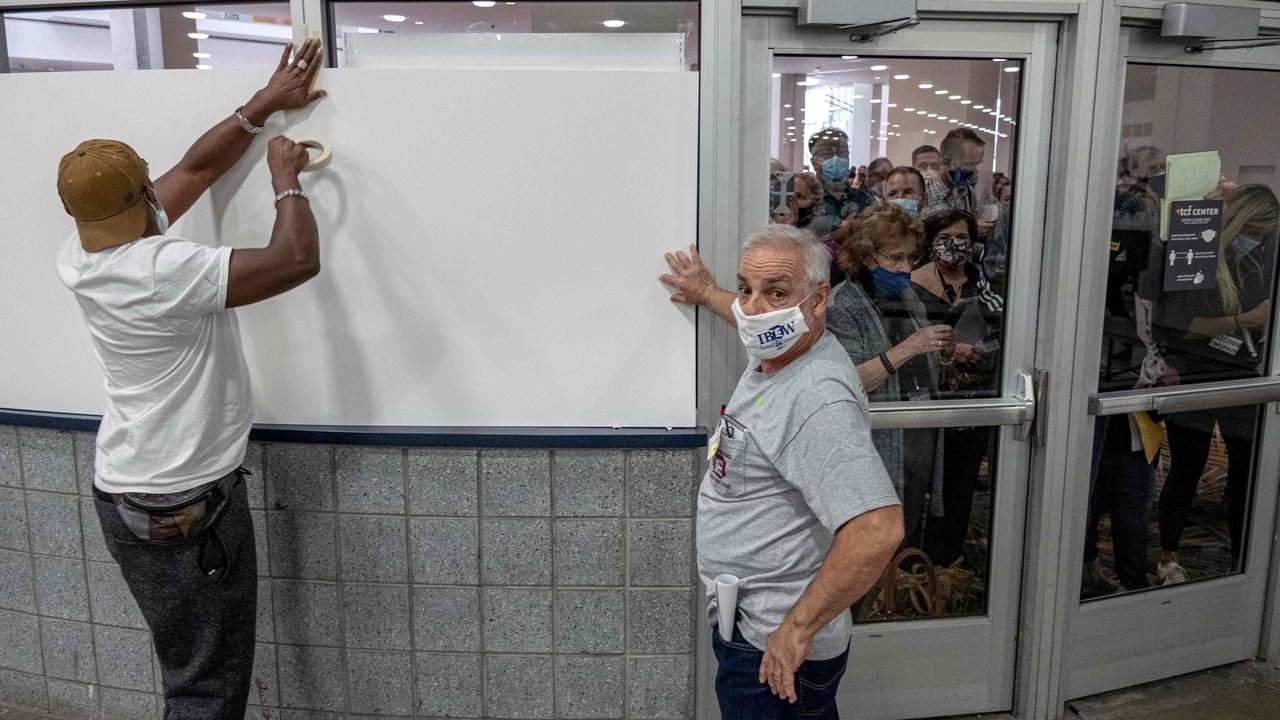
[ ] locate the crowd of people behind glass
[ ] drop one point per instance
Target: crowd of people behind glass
(918, 270)
(1158, 334)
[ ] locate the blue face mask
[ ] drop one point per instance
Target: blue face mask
(835, 168)
(909, 206)
(889, 282)
(963, 178)
(1245, 244)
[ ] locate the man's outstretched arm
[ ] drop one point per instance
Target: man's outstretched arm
(221, 146)
(693, 285)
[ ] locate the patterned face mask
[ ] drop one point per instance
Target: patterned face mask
(952, 250)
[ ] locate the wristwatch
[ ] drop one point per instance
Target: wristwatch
(245, 123)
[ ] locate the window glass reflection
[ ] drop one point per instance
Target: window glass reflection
(903, 168)
(148, 38)
(659, 35)
(1190, 281)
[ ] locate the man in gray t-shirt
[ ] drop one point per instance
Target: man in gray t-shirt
(796, 502)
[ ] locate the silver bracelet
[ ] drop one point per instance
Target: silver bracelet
(291, 192)
(245, 123)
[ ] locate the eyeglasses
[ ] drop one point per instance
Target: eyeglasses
(899, 258)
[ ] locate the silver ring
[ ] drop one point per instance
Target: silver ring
(302, 64)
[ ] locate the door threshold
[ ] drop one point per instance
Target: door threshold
(1240, 691)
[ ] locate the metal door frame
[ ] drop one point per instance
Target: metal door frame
(1034, 43)
(1206, 635)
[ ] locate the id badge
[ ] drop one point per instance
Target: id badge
(1228, 344)
(714, 443)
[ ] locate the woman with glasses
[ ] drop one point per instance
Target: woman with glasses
(884, 327)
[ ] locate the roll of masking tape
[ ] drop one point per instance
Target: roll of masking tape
(315, 142)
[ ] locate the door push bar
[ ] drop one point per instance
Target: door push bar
(1019, 410)
(1187, 398)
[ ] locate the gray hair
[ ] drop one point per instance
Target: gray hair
(817, 259)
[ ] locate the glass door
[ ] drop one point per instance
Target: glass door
(937, 135)
(1181, 493)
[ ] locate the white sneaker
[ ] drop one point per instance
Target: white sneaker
(1171, 574)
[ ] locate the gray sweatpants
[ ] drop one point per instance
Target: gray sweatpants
(204, 632)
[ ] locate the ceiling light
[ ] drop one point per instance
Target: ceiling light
(791, 127)
(978, 107)
(953, 121)
(879, 68)
(483, 3)
(417, 22)
(1012, 68)
(788, 119)
(793, 139)
(198, 36)
(954, 97)
(932, 115)
(194, 15)
(807, 83)
(614, 23)
(941, 92)
(921, 112)
(925, 86)
(875, 100)
(903, 76)
(393, 18)
(999, 60)
(786, 106)
(204, 67)
(857, 97)
(892, 105)
(848, 57)
(942, 117)
(777, 75)
(202, 56)
(908, 109)
(895, 125)
(966, 102)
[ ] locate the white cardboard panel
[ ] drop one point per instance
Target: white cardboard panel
(491, 243)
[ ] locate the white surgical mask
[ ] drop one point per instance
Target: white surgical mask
(162, 219)
(770, 334)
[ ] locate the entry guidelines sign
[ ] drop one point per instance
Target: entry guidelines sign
(1191, 255)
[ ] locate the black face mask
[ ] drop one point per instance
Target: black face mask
(1156, 183)
(804, 216)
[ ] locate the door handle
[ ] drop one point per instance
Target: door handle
(1186, 398)
(1029, 394)
(1020, 411)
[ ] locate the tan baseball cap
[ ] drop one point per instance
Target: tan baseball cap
(101, 185)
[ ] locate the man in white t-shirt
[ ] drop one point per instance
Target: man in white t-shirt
(167, 479)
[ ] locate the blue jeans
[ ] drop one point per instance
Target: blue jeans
(743, 697)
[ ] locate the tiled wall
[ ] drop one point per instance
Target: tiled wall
(393, 583)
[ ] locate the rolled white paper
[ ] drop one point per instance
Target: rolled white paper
(727, 604)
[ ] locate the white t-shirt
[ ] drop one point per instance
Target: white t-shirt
(178, 397)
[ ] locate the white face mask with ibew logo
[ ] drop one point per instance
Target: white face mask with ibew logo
(770, 334)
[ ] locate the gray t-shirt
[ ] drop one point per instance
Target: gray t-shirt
(792, 463)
